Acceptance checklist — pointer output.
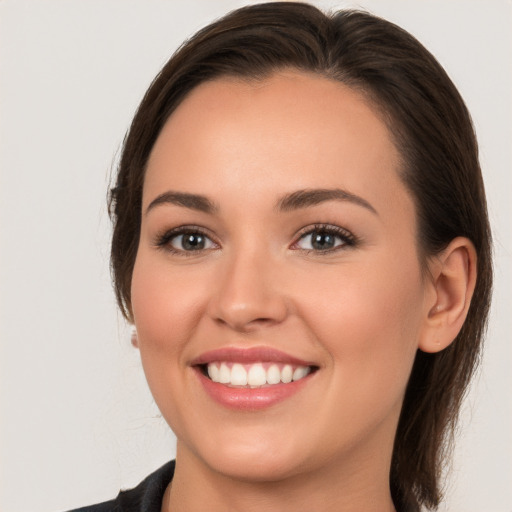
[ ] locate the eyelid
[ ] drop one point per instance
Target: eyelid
(163, 239)
(349, 239)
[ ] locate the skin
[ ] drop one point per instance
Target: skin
(359, 311)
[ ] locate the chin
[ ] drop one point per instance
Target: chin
(254, 462)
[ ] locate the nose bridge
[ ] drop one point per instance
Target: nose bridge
(248, 293)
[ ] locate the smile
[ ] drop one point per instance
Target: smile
(255, 375)
(252, 378)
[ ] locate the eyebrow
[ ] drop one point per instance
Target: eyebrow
(191, 201)
(293, 201)
(311, 197)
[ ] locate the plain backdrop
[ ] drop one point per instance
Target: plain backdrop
(77, 421)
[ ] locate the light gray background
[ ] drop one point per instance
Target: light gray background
(77, 421)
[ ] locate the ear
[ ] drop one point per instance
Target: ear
(453, 278)
(134, 338)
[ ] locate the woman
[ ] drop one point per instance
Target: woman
(301, 242)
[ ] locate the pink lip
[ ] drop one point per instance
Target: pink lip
(248, 356)
(247, 399)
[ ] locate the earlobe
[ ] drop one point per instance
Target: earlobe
(134, 339)
(453, 281)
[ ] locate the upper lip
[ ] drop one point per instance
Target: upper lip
(249, 356)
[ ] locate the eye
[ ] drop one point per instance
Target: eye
(191, 242)
(185, 240)
(324, 239)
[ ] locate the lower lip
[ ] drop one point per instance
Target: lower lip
(250, 399)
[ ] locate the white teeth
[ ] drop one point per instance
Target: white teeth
(224, 374)
(300, 372)
(238, 375)
(213, 372)
(273, 374)
(255, 375)
(286, 374)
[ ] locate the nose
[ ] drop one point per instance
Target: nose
(248, 295)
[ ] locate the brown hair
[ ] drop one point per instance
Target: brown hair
(432, 130)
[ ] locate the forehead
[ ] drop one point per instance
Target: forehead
(289, 131)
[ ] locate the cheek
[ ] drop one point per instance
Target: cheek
(165, 306)
(369, 316)
(368, 323)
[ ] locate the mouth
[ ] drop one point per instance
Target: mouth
(255, 375)
(251, 378)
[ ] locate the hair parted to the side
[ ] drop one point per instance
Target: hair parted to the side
(433, 132)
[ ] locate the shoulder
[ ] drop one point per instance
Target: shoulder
(146, 497)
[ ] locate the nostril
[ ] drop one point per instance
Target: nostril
(263, 321)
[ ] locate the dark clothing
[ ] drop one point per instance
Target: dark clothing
(146, 497)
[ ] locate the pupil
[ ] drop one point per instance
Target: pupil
(322, 241)
(193, 242)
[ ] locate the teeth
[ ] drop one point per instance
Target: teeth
(238, 375)
(300, 372)
(214, 372)
(224, 374)
(286, 374)
(273, 374)
(255, 375)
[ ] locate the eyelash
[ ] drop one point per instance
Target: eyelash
(349, 240)
(163, 241)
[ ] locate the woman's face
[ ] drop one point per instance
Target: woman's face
(278, 242)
